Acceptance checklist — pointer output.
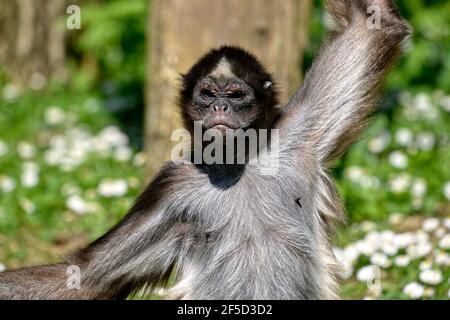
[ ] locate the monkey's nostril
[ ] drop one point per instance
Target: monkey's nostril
(223, 108)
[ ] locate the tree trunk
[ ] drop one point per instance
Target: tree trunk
(32, 40)
(181, 31)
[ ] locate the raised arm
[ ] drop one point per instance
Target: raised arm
(341, 89)
(140, 250)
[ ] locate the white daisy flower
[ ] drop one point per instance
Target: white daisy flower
(26, 150)
(380, 259)
(30, 174)
(400, 183)
(54, 115)
(414, 290)
(430, 224)
(398, 160)
(402, 261)
(387, 235)
(425, 141)
(421, 236)
(354, 173)
(10, 92)
(113, 136)
(366, 248)
(419, 188)
(2, 267)
(419, 250)
(444, 243)
(389, 248)
(404, 137)
(7, 184)
(422, 102)
(425, 108)
(123, 153)
(367, 273)
(351, 253)
(367, 182)
(113, 188)
(442, 259)
(403, 240)
(367, 226)
(380, 142)
(395, 218)
(440, 232)
(431, 277)
(77, 204)
(446, 223)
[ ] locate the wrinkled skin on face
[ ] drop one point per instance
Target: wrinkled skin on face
(228, 89)
(225, 103)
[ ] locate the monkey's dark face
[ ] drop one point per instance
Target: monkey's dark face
(228, 89)
(224, 102)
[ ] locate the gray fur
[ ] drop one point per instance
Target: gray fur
(231, 232)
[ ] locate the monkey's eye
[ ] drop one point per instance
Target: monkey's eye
(237, 94)
(207, 94)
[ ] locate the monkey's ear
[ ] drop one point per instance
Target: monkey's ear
(267, 85)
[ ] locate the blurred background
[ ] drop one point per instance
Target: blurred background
(87, 106)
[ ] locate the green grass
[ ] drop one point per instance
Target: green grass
(51, 223)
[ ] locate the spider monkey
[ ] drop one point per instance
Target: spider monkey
(228, 231)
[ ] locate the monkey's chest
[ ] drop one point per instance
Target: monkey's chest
(268, 207)
(250, 239)
(261, 201)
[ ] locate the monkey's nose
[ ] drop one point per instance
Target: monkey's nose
(222, 108)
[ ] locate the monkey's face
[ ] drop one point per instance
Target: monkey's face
(228, 89)
(224, 103)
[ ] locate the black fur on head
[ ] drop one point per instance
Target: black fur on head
(245, 66)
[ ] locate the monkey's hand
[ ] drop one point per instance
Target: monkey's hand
(341, 89)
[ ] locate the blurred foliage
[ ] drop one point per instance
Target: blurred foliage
(427, 62)
(111, 47)
(52, 168)
(403, 166)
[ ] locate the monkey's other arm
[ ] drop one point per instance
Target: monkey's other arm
(140, 250)
(340, 90)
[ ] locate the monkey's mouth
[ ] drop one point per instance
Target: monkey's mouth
(221, 125)
(222, 128)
